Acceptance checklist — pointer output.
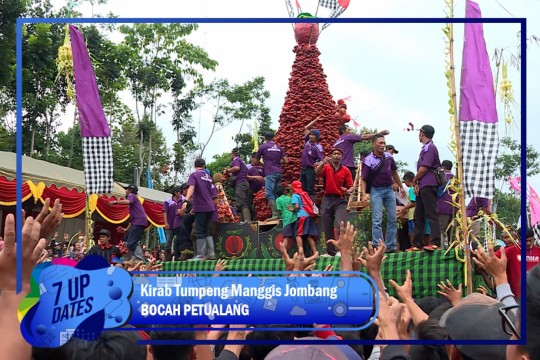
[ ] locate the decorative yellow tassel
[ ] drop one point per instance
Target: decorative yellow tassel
(64, 65)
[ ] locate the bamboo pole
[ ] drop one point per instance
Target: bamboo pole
(459, 156)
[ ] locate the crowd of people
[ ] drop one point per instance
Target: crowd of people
(195, 207)
(450, 316)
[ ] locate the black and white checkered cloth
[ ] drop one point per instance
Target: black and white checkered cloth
(330, 4)
(480, 147)
(98, 164)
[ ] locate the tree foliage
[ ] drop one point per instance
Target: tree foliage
(228, 103)
(509, 162)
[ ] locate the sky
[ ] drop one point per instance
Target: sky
(394, 73)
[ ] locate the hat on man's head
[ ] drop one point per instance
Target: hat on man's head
(176, 189)
(476, 317)
(235, 151)
(104, 232)
(131, 187)
(316, 132)
(391, 147)
(269, 135)
(296, 186)
(337, 149)
(428, 130)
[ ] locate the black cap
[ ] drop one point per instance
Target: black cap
(391, 147)
(176, 189)
(104, 232)
(133, 188)
(200, 163)
(235, 151)
(269, 135)
(184, 186)
(428, 130)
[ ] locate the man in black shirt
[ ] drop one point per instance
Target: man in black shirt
(104, 248)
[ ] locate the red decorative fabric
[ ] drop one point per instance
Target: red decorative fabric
(73, 202)
(8, 189)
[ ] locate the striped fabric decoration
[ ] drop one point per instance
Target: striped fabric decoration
(478, 113)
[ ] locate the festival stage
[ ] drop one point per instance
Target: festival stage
(255, 247)
(427, 269)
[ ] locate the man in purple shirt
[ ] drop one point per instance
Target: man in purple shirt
(476, 205)
(203, 195)
(444, 205)
(273, 156)
(137, 221)
(380, 170)
(170, 208)
(312, 155)
(346, 143)
(238, 169)
(425, 186)
(256, 182)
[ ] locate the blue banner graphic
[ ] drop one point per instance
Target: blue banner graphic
(78, 301)
(294, 300)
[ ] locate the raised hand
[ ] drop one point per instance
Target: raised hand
(404, 291)
(49, 220)
(32, 248)
(450, 292)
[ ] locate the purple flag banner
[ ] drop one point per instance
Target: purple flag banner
(478, 124)
(95, 132)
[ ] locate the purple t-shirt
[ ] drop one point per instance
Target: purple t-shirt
(204, 192)
(429, 156)
(346, 143)
(475, 205)
(137, 214)
(272, 155)
(444, 202)
(312, 153)
(255, 185)
(241, 174)
(169, 207)
(384, 175)
(178, 219)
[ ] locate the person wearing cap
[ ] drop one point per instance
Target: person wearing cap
(104, 248)
(274, 156)
(338, 184)
(514, 259)
(203, 195)
(380, 170)
(137, 221)
(476, 317)
(312, 155)
(346, 143)
(425, 186)
(391, 149)
(238, 169)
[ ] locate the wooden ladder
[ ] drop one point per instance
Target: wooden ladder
(355, 199)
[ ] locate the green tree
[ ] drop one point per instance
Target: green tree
(229, 103)
(157, 55)
(507, 206)
(11, 10)
(509, 162)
